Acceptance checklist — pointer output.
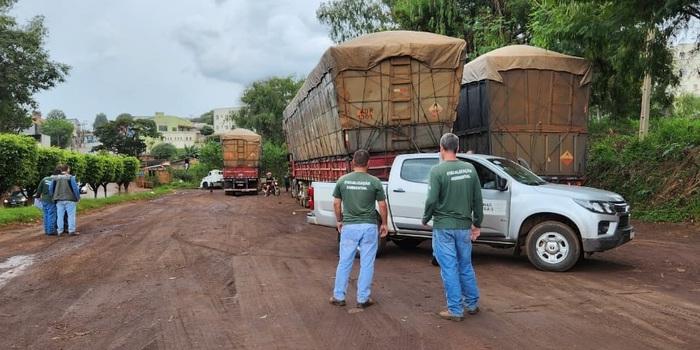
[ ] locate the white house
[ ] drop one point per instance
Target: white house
(223, 120)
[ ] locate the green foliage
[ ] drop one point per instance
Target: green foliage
(187, 152)
(207, 118)
(77, 164)
(659, 176)
(211, 155)
(47, 160)
(56, 114)
(351, 18)
(95, 170)
(274, 159)
(131, 167)
(60, 130)
(613, 35)
(25, 67)
(125, 135)
(265, 100)
(18, 158)
(164, 151)
(207, 130)
(687, 106)
(184, 176)
(33, 214)
(100, 120)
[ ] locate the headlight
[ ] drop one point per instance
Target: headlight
(5, 201)
(23, 200)
(600, 207)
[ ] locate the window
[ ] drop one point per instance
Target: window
(487, 178)
(418, 170)
(162, 128)
(519, 173)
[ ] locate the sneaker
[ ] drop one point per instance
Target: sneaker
(366, 304)
(76, 233)
(448, 316)
(336, 302)
(473, 311)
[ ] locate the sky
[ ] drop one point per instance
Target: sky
(181, 57)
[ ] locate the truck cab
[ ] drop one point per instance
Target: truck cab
(553, 224)
(214, 179)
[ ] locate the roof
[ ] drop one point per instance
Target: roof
(488, 65)
(239, 134)
(367, 51)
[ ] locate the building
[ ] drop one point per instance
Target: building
(687, 62)
(89, 142)
(223, 119)
(177, 131)
(35, 131)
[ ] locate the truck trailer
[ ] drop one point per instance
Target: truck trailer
(390, 93)
(241, 154)
(530, 105)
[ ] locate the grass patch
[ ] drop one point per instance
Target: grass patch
(32, 214)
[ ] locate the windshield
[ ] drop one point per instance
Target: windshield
(519, 173)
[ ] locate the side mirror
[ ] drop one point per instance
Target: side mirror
(501, 184)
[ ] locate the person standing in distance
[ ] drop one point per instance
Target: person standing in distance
(47, 204)
(65, 192)
(356, 220)
(454, 203)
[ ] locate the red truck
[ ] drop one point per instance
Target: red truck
(241, 153)
(389, 93)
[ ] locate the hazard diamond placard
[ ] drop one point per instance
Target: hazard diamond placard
(567, 158)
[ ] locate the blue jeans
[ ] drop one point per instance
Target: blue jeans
(365, 237)
(453, 251)
(63, 207)
(49, 209)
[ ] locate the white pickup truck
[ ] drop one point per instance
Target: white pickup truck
(555, 225)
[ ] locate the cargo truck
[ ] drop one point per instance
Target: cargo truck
(530, 105)
(241, 154)
(389, 93)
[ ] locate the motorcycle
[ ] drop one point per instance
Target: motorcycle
(271, 188)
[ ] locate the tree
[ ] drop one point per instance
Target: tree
(47, 160)
(164, 151)
(207, 130)
(211, 156)
(25, 68)
(125, 135)
(265, 100)
(56, 114)
(207, 118)
(351, 18)
(100, 120)
(131, 166)
(95, 168)
(113, 170)
(125, 117)
(77, 164)
(60, 130)
(614, 36)
(274, 158)
(18, 157)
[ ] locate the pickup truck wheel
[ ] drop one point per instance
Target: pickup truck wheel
(407, 243)
(553, 246)
(205, 185)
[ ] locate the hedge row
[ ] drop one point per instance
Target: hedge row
(24, 164)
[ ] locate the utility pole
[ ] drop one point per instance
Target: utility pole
(646, 92)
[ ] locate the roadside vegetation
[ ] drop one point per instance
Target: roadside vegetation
(660, 175)
(31, 214)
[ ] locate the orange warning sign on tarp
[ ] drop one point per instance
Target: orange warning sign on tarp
(567, 158)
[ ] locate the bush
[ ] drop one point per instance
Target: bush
(274, 159)
(164, 151)
(659, 176)
(18, 159)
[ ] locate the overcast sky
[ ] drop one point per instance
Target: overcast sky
(181, 57)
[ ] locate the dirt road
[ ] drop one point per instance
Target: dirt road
(196, 270)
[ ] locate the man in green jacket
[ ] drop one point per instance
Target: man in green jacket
(454, 203)
(47, 204)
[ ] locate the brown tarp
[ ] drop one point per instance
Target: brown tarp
(362, 53)
(241, 147)
(489, 65)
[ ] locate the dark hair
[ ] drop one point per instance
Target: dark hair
(59, 169)
(450, 142)
(360, 158)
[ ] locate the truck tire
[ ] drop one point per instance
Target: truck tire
(205, 185)
(553, 246)
(407, 243)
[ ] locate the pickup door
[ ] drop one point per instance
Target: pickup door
(408, 189)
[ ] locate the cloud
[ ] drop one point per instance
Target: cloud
(179, 57)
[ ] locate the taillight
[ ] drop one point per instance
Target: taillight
(310, 193)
